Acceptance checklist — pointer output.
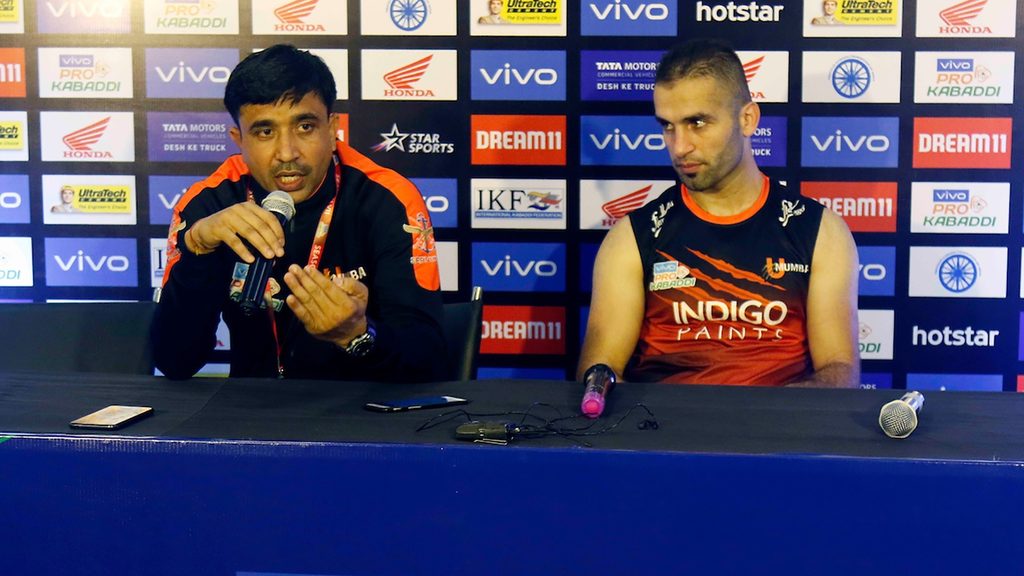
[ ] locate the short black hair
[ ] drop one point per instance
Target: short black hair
(281, 72)
(705, 58)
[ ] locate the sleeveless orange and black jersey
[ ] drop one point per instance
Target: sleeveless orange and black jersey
(725, 297)
(380, 234)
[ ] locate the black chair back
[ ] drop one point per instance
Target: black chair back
(110, 337)
(462, 327)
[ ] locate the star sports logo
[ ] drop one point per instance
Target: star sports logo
(961, 14)
(622, 206)
(751, 68)
(403, 78)
(392, 140)
(294, 12)
(83, 138)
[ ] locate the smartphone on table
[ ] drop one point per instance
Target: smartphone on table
(112, 417)
(416, 403)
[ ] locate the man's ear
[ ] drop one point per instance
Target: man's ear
(750, 117)
(236, 136)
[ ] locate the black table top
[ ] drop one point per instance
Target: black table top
(963, 426)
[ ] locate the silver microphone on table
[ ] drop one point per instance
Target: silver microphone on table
(899, 417)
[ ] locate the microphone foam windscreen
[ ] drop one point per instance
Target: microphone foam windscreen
(897, 419)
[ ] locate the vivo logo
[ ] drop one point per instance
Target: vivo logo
(509, 267)
(10, 200)
(508, 76)
(168, 204)
(84, 9)
(955, 65)
(839, 142)
(82, 262)
(619, 141)
(76, 61)
(183, 73)
(436, 203)
(620, 11)
(951, 196)
(873, 272)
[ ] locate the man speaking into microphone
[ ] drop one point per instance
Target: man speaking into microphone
(347, 288)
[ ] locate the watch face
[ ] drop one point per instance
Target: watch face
(362, 344)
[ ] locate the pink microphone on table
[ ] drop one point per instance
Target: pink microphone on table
(599, 380)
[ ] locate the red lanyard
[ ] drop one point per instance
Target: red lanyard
(316, 251)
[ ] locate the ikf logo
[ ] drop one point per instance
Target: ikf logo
(769, 141)
(863, 142)
(523, 330)
(629, 18)
(13, 135)
(300, 17)
(962, 142)
(164, 193)
(957, 272)
(767, 75)
(621, 141)
(963, 77)
(865, 206)
(518, 204)
(507, 267)
(605, 202)
(15, 261)
(87, 136)
(12, 73)
(407, 18)
(875, 334)
(189, 136)
(192, 16)
(956, 382)
(518, 74)
(188, 72)
(618, 75)
(85, 73)
(518, 140)
(14, 199)
(91, 262)
(409, 75)
(84, 17)
(877, 271)
(441, 195)
(842, 77)
(157, 261)
(967, 19)
(960, 207)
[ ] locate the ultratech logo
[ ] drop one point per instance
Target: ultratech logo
(523, 330)
(401, 80)
(946, 336)
(962, 142)
(105, 200)
(11, 135)
(865, 206)
(80, 141)
(10, 12)
(413, 142)
(958, 18)
(291, 17)
(12, 72)
(731, 12)
(532, 140)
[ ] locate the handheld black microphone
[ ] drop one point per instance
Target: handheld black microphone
(899, 417)
(599, 380)
(279, 204)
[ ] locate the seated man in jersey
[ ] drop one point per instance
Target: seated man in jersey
(354, 292)
(727, 278)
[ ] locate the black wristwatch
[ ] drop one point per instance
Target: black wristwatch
(362, 345)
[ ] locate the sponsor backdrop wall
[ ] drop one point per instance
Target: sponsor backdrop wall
(530, 134)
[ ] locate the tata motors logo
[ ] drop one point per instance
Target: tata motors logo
(515, 140)
(629, 18)
(605, 202)
(523, 330)
(865, 206)
(769, 141)
(964, 77)
(957, 272)
(518, 75)
(867, 142)
(519, 267)
(767, 75)
(875, 334)
(12, 72)
(15, 261)
(967, 19)
(84, 16)
(876, 275)
(409, 75)
(618, 74)
(442, 200)
(14, 199)
(518, 204)
(189, 136)
(408, 18)
(13, 136)
(87, 136)
(85, 73)
(91, 262)
(960, 207)
(962, 142)
(295, 17)
(742, 12)
(621, 141)
(842, 77)
(188, 72)
(192, 16)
